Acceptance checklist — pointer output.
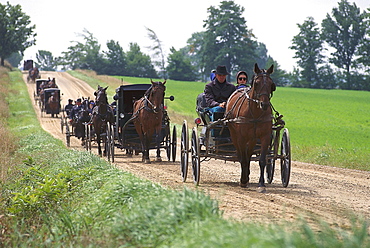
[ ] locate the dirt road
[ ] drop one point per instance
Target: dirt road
(315, 191)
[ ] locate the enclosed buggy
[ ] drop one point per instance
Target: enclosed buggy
(125, 131)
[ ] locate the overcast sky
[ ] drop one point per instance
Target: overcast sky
(274, 22)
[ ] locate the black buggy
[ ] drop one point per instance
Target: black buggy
(50, 101)
(213, 141)
(125, 132)
(36, 93)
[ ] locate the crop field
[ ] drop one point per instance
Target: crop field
(328, 127)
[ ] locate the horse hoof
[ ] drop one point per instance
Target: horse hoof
(158, 159)
(261, 189)
(147, 161)
(244, 185)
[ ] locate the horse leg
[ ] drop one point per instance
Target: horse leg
(158, 142)
(245, 169)
(262, 164)
(146, 145)
(98, 141)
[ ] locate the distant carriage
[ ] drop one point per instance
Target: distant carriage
(50, 103)
(76, 127)
(27, 65)
(38, 88)
(125, 131)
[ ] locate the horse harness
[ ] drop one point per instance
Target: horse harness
(148, 105)
(245, 96)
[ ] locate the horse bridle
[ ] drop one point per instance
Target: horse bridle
(264, 75)
(148, 102)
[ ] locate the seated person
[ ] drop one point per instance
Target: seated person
(68, 107)
(75, 110)
(218, 91)
(241, 80)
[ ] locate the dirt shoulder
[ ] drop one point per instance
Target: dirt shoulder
(315, 191)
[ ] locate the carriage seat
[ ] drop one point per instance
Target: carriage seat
(202, 108)
(203, 112)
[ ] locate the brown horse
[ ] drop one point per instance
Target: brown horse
(33, 74)
(148, 114)
(54, 104)
(102, 116)
(249, 119)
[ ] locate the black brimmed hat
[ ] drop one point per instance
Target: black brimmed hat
(221, 70)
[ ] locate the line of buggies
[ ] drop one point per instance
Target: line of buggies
(121, 134)
(47, 97)
(211, 141)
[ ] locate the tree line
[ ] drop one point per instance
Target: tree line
(333, 55)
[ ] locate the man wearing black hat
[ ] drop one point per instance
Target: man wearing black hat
(76, 109)
(218, 91)
(68, 107)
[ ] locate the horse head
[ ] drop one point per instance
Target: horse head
(262, 86)
(101, 95)
(155, 95)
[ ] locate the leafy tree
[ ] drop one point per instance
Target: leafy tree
(158, 52)
(308, 46)
(344, 32)
(195, 45)
(179, 66)
(85, 55)
(15, 59)
(227, 41)
(116, 61)
(16, 32)
(139, 64)
(364, 48)
(46, 61)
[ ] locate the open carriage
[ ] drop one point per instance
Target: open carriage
(212, 139)
(125, 132)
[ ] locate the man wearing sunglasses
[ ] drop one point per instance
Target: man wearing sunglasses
(218, 91)
(241, 79)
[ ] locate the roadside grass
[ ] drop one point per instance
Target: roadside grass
(327, 127)
(60, 197)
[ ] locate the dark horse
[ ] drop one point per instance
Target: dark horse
(54, 104)
(148, 114)
(249, 119)
(33, 73)
(102, 116)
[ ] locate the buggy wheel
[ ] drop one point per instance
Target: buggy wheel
(61, 123)
(195, 153)
(87, 133)
(89, 137)
(174, 143)
(184, 151)
(111, 141)
(285, 161)
(168, 143)
(68, 136)
(108, 141)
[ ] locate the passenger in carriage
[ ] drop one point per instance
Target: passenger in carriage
(75, 110)
(241, 80)
(91, 106)
(218, 91)
(68, 107)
